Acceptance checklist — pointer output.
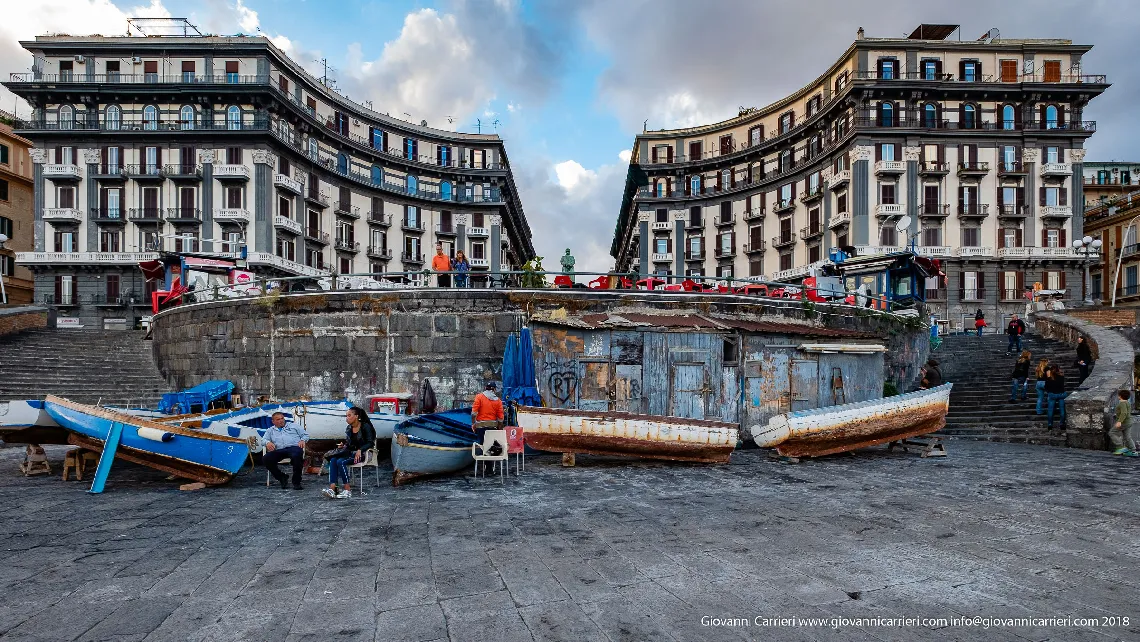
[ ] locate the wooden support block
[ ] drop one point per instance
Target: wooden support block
(568, 459)
(194, 486)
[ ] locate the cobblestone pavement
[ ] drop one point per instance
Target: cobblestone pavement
(609, 550)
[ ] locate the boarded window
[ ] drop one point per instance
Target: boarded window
(595, 380)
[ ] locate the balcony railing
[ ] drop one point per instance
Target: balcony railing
(977, 251)
(839, 218)
(63, 214)
(379, 252)
(754, 214)
(783, 241)
(289, 183)
(108, 215)
(839, 179)
(660, 225)
(786, 205)
(317, 198)
(1056, 169)
(721, 221)
(661, 257)
(808, 233)
(379, 218)
(934, 209)
(697, 224)
(936, 294)
(184, 215)
(64, 171)
(754, 248)
(479, 263)
(80, 258)
(183, 172)
(346, 246)
(811, 195)
(890, 209)
(1011, 295)
(973, 210)
(412, 226)
(411, 257)
(930, 168)
(131, 125)
(974, 168)
(972, 294)
(231, 214)
(145, 171)
(445, 229)
(145, 214)
(347, 209)
(934, 250)
(890, 167)
(225, 171)
(287, 224)
(1011, 168)
(314, 235)
(1013, 211)
(694, 256)
(110, 172)
(1056, 211)
(477, 231)
(725, 252)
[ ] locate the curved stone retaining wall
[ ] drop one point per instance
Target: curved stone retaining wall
(1090, 410)
(353, 343)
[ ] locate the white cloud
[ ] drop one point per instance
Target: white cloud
(225, 17)
(625, 155)
(570, 174)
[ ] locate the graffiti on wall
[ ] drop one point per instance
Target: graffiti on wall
(562, 384)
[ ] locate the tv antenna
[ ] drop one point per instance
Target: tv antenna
(496, 123)
(478, 126)
(325, 69)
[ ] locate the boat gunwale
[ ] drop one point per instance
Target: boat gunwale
(138, 422)
(628, 416)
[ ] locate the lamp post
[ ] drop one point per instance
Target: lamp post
(1087, 246)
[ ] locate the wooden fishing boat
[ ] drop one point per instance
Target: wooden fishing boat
(323, 420)
(432, 444)
(835, 429)
(625, 434)
(184, 452)
(26, 422)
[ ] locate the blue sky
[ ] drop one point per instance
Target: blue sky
(571, 81)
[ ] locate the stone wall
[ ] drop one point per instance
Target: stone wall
(354, 344)
(17, 319)
(1090, 410)
(1107, 317)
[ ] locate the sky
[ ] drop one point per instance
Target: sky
(568, 83)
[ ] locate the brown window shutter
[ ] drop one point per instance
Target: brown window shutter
(1062, 279)
(103, 159)
(978, 70)
(103, 199)
(653, 154)
(793, 191)
(1064, 241)
(158, 156)
(702, 245)
(1000, 196)
(732, 178)
(1020, 282)
(669, 154)
(1020, 198)
(58, 155)
(187, 66)
(961, 70)
(1063, 197)
(1041, 194)
(231, 66)
(689, 186)
(1017, 117)
(878, 152)
(1043, 108)
(961, 197)
(1001, 238)
(719, 182)
(1044, 237)
(732, 240)
(1018, 242)
(669, 245)
(1061, 123)
(150, 67)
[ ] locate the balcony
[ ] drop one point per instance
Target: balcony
(839, 179)
(84, 258)
(724, 252)
(183, 172)
(184, 215)
(809, 233)
(289, 183)
(698, 224)
(108, 172)
(145, 172)
(934, 250)
(108, 216)
(445, 229)
(479, 263)
(342, 245)
(635, 261)
(229, 172)
(934, 210)
(661, 226)
(975, 169)
(381, 253)
(287, 224)
(144, 215)
(1015, 253)
(973, 210)
(886, 210)
(1056, 211)
(754, 214)
(661, 257)
(972, 294)
(839, 218)
(1011, 295)
(1011, 168)
(379, 218)
(784, 206)
(313, 197)
(347, 210)
(930, 168)
(477, 231)
(1013, 211)
(889, 167)
(62, 172)
(754, 248)
(1057, 169)
(413, 257)
(63, 215)
(935, 294)
(231, 215)
(812, 195)
(783, 241)
(722, 221)
(874, 250)
(314, 235)
(975, 252)
(694, 256)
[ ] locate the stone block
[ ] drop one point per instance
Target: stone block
(446, 323)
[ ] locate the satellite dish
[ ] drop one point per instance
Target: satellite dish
(902, 224)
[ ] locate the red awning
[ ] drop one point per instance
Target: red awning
(198, 262)
(153, 270)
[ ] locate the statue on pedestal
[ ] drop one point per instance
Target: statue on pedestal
(568, 263)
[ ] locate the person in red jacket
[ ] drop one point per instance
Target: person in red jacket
(487, 408)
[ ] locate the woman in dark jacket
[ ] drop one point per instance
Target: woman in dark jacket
(359, 437)
(1020, 375)
(1084, 359)
(1055, 391)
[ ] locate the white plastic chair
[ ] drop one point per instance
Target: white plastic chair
(489, 438)
(269, 477)
(371, 458)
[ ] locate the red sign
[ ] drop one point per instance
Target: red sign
(515, 442)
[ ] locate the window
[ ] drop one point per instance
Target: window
(66, 117)
(409, 149)
(1010, 237)
(1052, 155)
(479, 250)
(971, 237)
(1007, 117)
(932, 237)
(786, 261)
(1052, 71)
(314, 148)
(233, 118)
(930, 116)
(888, 151)
(342, 163)
(969, 117)
(841, 202)
(886, 193)
(724, 271)
(114, 203)
(661, 245)
(1052, 238)
(1130, 280)
(412, 216)
(662, 216)
(377, 175)
(813, 253)
(1051, 197)
(445, 191)
(150, 118)
(186, 117)
(444, 153)
(887, 69)
(1009, 157)
(786, 122)
(930, 70)
(1008, 71)
(150, 155)
(1053, 279)
(755, 136)
(413, 185)
(187, 71)
(112, 117)
(785, 161)
(695, 217)
(65, 242)
(786, 195)
(726, 178)
(232, 71)
(660, 183)
(150, 71)
(3, 190)
(65, 289)
(969, 71)
(695, 247)
(886, 115)
(65, 70)
(695, 184)
(1051, 117)
(109, 241)
(888, 237)
(284, 206)
(234, 197)
(66, 198)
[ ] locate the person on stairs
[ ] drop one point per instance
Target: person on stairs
(979, 321)
(1121, 432)
(1055, 391)
(1020, 376)
(1084, 359)
(1014, 330)
(1042, 368)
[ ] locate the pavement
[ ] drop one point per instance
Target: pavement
(870, 546)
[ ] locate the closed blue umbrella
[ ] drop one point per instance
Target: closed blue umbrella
(527, 390)
(510, 364)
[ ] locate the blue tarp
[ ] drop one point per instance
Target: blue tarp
(196, 399)
(518, 370)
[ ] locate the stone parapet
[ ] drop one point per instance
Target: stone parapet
(14, 320)
(1090, 409)
(1109, 317)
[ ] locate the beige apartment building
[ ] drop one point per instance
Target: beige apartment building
(979, 142)
(16, 212)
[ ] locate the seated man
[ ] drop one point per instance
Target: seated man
(487, 411)
(285, 440)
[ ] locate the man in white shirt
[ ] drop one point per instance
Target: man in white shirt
(285, 440)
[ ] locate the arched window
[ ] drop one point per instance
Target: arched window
(377, 175)
(66, 117)
(413, 186)
(886, 115)
(313, 148)
(233, 117)
(112, 117)
(342, 163)
(930, 116)
(1051, 117)
(695, 184)
(1007, 119)
(150, 117)
(186, 116)
(969, 117)
(445, 191)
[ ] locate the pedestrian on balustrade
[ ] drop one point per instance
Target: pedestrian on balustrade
(1121, 432)
(284, 440)
(461, 266)
(1020, 376)
(441, 263)
(1084, 360)
(1042, 368)
(1015, 329)
(1055, 391)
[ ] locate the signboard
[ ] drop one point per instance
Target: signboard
(67, 322)
(515, 440)
(241, 276)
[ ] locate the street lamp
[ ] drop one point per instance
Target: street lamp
(1087, 246)
(3, 294)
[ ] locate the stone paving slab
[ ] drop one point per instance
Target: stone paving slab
(609, 550)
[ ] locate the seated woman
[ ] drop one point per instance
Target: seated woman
(359, 436)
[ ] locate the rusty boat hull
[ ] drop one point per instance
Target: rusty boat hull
(836, 429)
(628, 435)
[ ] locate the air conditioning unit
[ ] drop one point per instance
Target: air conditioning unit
(136, 60)
(80, 59)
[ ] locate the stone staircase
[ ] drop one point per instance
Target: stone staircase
(88, 366)
(979, 403)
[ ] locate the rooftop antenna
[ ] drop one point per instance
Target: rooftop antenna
(154, 27)
(496, 123)
(478, 126)
(408, 115)
(325, 69)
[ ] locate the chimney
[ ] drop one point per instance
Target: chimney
(859, 34)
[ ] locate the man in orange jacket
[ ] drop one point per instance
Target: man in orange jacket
(441, 263)
(487, 408)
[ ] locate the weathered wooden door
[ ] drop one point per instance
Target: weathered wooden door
(775, 386)
(627, 389)
(805, 384)
(688, 390)
(595, 390)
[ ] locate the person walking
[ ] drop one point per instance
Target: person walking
(1055, 391)
(284, 440)
(461, 266)
(359, 436)
(979, 323)
(1039, 374)
(1014, 329)
(1084, 360)
(1020, 375)
(1121, 432)
(441, 263)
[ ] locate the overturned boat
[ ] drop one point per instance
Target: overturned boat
(432, 444)
(630, 435)
(183, 452)
(836, 429)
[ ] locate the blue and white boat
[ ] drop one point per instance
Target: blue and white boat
(321, 419)
(26, 422)
(433, 444)
(188, 453)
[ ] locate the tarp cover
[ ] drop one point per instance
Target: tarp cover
(197, 398)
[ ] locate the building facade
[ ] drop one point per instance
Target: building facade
(980, 143)
(1114, 221)
(1104, 181)
(219, 144)
(16, 212)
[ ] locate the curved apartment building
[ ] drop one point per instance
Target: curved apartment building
(979, 142)
(218, 144)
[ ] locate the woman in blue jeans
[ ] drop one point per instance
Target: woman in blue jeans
(1042, 368)
(359, 436)
(1055, 391)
